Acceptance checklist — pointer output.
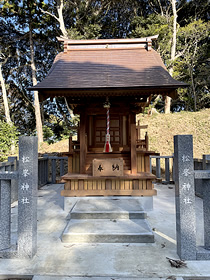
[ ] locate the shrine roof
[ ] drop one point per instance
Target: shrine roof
(107, 64)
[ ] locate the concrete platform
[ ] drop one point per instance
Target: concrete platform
(108, 231)
(56, 260)
(113, 208)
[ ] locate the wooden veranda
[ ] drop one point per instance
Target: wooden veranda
(125, 73)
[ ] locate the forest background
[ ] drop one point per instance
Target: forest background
(28, 46)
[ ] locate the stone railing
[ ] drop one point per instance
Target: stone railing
(167, 176)
(50, 170)
(11, 165)
(201, 164)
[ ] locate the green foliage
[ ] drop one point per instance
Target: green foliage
(8, 137)
(192, 66)
(48, 134)
(152, 25)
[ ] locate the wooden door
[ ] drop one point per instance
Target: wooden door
(100, 131)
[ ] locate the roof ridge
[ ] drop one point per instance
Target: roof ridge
(106, 41)
(145, 42)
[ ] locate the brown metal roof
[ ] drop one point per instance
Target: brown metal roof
(100, 67)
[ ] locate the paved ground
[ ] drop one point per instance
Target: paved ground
(105, 261)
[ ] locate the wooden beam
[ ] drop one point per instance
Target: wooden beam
(133, 144)
(69, 193)
(83, 148)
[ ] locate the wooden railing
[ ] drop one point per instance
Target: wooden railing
(48, 167)
(142, 144)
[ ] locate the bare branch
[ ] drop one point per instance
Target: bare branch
(48, 13)
(151, 6)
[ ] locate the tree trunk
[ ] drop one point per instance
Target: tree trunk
(6, 106)
(60, 18)
(173, 52)
(173, 47)
(4, 93)
(36, 96)
(167, 105)
(193, 88)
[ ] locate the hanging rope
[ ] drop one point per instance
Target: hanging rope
(107, 147)
(107, 115)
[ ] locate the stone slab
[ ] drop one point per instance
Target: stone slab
(206, 213)
(113, 208)
(108, 167)
(44, 277)
(202, 174)
(107, 231)
(9, 175)
(5, 214)
(202, 254)
(10, 253)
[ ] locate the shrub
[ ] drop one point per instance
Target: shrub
(8, 138)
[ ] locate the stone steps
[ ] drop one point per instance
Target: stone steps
(45, 277)
(107, 231)
(108, 221)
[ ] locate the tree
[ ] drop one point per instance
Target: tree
(4, 55)
(59, 17)
(21, 14)
(28, 31)
(4, 93)
(173, 52)
(192, 65)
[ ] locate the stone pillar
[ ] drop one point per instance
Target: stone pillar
(204, 175)
(185, 197)
(5, 214)
(206, 213)
(14, 183)
(27, 196)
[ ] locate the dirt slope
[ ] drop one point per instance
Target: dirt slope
(162, 128)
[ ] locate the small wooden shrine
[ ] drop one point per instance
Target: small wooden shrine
(108, 82)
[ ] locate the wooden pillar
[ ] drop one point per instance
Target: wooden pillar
(147, 141)
(133, 143)
(82, 143)
(70, 145)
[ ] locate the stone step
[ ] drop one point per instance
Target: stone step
(108, 215)
(45, 277)
(112, 208)
(107, 231)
